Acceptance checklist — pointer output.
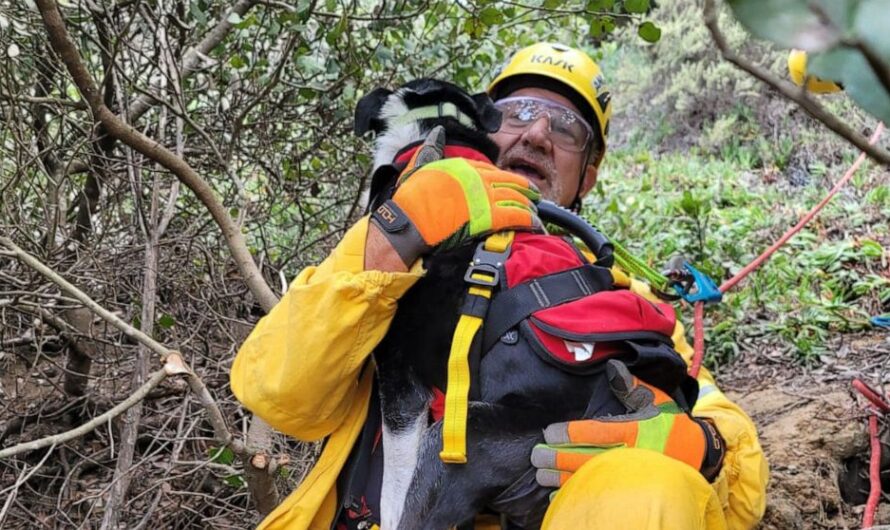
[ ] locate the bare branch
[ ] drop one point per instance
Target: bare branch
(63, 46)
(80, 105)
(114, 412)
(792, 92)
(76, 293)
(192, 59)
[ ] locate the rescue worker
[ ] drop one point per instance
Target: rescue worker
(303, 368)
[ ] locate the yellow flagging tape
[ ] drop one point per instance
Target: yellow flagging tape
(457, 393)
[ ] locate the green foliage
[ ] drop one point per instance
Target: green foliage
(849, 36)
(720, 215)
(226, 457)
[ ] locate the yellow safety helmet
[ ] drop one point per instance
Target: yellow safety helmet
(797, 68)
(577, 76)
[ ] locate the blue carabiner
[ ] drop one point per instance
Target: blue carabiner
(882, 321)
(707, 291)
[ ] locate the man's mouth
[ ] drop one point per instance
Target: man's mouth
(526, 170)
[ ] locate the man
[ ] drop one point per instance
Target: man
(304, 370)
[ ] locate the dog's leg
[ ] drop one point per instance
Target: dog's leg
(405, 407)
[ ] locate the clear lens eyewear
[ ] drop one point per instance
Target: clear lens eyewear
(568, 130)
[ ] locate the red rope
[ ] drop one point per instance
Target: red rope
(698, 343)
(699, 340)
(879, 403)
(872, 395)
(874, 473)
(730, 283)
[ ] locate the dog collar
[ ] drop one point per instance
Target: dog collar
(442, 110)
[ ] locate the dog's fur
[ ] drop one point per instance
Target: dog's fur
(518, 393)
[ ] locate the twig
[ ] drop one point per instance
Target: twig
(79, 105)
(192, 59)
(115, 411)
(174, 362)
(63, 46)
(21, 480)
(76, 293)
(791, 92)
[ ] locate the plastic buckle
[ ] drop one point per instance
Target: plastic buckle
(707, 291)
(488, 263)
(882, 321)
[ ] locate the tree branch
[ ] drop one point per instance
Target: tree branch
(63, 46)
(792, 92)
(76, 432)
(174, 364)
(79, 295)
(192, 59)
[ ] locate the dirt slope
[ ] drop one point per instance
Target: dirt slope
(813, 430)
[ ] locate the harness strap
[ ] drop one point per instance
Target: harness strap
(514, 305)
(481, 280)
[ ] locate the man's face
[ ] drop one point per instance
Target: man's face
(533, 154)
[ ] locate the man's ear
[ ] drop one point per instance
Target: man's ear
(589, 180)
(368, 109)
(489, 115)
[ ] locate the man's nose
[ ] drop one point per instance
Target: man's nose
(538, 134)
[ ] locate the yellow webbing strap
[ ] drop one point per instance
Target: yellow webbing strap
(454, 420)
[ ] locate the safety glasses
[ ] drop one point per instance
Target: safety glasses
(567, 129)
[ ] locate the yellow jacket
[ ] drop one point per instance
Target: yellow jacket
(305, 370)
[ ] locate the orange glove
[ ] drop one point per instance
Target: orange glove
(654, 421)
(448, 202)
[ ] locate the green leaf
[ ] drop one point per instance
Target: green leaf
(649, 32)
(166, 321)
(221, 455)
(237, 61)
(636, 6)
(871, 23)
(234, 18)
(200, 16)
(235, 481)
(792, 23)
(871, 248)
(689, 204)
(491, 16)
(247, 22)
(849, 67)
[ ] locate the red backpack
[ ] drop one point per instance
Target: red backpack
(540, 292)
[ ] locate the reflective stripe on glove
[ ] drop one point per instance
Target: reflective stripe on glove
(445, 203)
(654, 421)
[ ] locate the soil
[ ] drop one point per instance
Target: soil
(813, 429)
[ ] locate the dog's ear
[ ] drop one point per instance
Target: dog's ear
(489, 115)
(368, 109)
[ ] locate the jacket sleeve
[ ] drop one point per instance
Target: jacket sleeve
(299, 368)
(741, 484)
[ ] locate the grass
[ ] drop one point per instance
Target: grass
(721, 212)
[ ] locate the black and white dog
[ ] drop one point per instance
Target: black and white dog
(516, 393)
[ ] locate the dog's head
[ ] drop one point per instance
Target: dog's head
(403, 118)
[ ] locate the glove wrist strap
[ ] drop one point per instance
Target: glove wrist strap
(400, 231)
(715, 449)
